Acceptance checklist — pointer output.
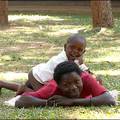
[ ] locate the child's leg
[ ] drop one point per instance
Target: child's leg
(31, 85)
(32, 82)
(14, 87)
(10, 86)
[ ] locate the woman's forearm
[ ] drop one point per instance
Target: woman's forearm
(81, 102)
(104, 99)
(29, 101)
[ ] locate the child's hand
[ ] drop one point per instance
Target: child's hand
(79, 60)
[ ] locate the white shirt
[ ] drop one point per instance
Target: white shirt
(44, 72)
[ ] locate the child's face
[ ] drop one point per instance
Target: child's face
(75, 49)
(71, 85)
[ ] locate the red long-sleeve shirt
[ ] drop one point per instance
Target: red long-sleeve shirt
(90, 88)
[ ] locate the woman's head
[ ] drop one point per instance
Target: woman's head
(67, 76)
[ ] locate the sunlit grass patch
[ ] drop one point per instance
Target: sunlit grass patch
(13, 76)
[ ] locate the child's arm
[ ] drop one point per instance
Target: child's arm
(80, 62)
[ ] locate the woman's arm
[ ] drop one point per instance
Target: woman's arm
(29, 101)
(104, 99)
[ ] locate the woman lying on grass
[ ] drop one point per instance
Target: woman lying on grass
(70, 87)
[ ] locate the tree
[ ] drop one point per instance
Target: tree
(101, 13)
(3, 12)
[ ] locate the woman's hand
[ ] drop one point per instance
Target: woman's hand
(58, 100)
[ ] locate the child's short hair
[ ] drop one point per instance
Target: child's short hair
(75, 37)
(64, 68)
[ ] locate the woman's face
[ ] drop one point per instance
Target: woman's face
(71, 85)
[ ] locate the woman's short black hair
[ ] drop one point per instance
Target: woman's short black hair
(64, 68)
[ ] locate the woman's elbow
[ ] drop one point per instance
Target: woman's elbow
(112, 102)
(109, 100)
(104, 99)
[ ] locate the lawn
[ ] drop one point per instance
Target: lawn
(34, 38)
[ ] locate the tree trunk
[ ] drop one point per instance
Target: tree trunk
(3, 12)
(101, 13)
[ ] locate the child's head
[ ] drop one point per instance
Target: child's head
(67, 76)
(75, 47)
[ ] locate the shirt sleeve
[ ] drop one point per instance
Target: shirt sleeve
(83, 67)
(44, 92)
(91, 85)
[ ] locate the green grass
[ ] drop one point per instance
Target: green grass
(32, 39)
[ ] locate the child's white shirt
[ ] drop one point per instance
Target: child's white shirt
(44, 72)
